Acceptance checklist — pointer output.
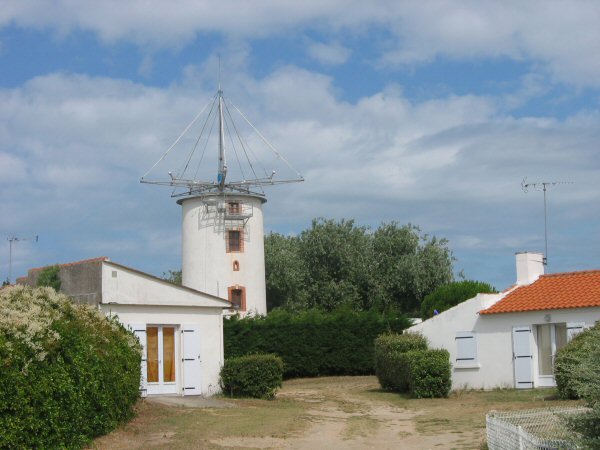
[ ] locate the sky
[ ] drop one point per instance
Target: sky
(429, 113)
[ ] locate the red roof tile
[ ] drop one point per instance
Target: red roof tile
(556, 291)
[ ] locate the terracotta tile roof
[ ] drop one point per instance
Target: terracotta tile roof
(84, 261)
(555, 291)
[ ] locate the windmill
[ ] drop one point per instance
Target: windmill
(222, 226)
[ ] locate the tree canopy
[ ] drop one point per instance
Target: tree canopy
(449, 295)
(338, 263)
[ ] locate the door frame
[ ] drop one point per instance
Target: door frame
(162, 387)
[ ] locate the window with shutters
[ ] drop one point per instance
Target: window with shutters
(237, 296)
(235, 242)
(466, 348)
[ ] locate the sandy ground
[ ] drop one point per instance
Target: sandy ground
(342, 418)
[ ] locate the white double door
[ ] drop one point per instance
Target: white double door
(162, 349)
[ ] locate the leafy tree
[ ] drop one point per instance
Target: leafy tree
(174, 276)
(286, 273)
(337, 263)
(50, 276)
(449, 295)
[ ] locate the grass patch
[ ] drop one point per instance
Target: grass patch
(360, 426)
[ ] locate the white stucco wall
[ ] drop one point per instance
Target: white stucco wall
(494, 367)
(141, 300)
(206, 266)
(210, 321)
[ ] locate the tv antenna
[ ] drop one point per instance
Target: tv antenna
(543, 186)
(11, 240)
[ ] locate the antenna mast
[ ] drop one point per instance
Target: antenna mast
(220, 111)
(543, 186)
(10, 245)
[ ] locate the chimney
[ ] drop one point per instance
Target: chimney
(529, 267)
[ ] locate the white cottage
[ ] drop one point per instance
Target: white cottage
(510, 339)
(180, 328)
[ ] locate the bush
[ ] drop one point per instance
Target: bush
(449, 295)
(567, 359)
(256, 376)
(583, 378)
(50, 277)
(429, 373)
(68, 373)
(312, 343)
(390, 364)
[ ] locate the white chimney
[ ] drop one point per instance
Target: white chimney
(529, 267)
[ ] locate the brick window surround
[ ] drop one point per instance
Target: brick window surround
(234, 239)
(237, 296)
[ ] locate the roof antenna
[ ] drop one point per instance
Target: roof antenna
(10, 246)
(543, 186)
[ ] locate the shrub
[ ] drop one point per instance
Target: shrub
(449, 295)
(50, 277)
(312, 343)
(584, 379)
(256, 376)
(390, 364)
(68, 373)
(429, 373)
(567, 359)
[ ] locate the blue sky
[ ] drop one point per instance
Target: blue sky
(422, 112)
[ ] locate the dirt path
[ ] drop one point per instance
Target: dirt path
(341, 416)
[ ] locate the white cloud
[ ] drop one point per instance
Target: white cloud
(560, 38)
(332, 54)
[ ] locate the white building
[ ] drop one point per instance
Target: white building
(180, 328)
(510, 339)
(223, 248)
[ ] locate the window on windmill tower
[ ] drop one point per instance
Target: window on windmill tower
(234, 208)
(236, 266)
(237, 296)
(235, 242)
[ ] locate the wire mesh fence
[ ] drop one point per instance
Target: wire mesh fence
(532, 429)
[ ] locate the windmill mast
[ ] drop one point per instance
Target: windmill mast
(222, 174)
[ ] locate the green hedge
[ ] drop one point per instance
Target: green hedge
(312, 343)
(256, 376)
(405, 364)
(68, 373)
(429, 373)
(390, 362)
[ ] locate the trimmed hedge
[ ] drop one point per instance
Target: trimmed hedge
(256, 376)
(390, 364)
(68, 373)
(405, 364)
(429, 373)
(312, 343)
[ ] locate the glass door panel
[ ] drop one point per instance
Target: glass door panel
(168, 354)
(152, 346)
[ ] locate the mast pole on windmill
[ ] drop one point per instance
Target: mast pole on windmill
(222, 161)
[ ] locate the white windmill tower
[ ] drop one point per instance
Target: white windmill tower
(222, 227)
